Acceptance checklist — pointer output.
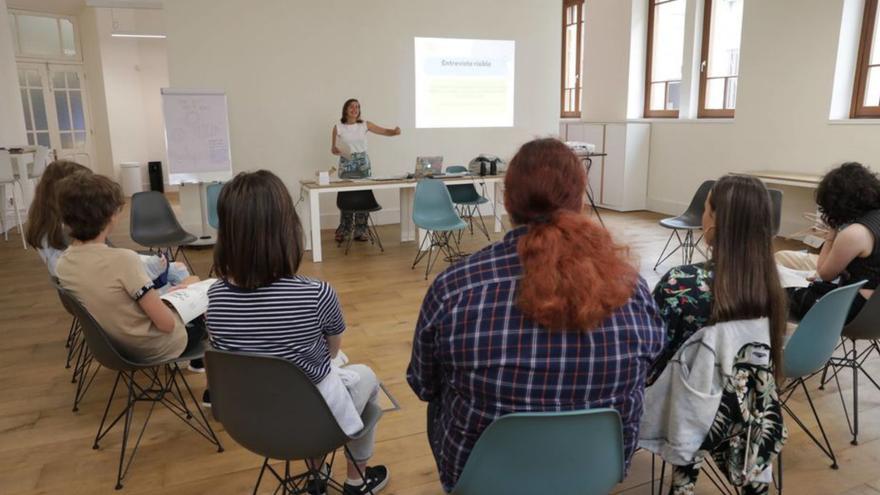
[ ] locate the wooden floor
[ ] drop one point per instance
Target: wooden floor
(46, 449)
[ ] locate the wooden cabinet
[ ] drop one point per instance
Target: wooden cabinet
(619, 180)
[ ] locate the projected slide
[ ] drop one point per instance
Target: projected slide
(464, 83)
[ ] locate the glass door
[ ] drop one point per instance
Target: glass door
(71, 115)
(56, 110)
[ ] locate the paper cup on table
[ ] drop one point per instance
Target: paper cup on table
(323, 178)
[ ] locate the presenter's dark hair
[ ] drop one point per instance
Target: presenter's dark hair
(44, 218)
(259, 239)
(87, 203)
(846, 193)
(746, 281)
(574, 275)
(345, 109)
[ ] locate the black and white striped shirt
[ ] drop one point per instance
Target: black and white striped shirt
(287, 319)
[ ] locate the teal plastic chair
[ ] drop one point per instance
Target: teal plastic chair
(211, 196)
(433, 211)
(809, 349)
(576, 452)
(467, 201)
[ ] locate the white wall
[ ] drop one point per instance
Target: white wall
(127, 74)
(12, 131)
(287, 67)
(787, 68)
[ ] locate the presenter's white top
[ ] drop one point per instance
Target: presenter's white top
(352, 136)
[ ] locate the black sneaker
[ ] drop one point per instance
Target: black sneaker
(196, 366)
(377, 478)
(319, 486)
(206, 399)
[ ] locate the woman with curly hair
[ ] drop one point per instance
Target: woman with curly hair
(849, 202)
(554, 317)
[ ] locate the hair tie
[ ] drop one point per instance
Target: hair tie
(541, 219)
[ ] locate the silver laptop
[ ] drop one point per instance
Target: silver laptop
(427, 166)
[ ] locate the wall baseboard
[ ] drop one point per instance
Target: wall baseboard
(671, 208)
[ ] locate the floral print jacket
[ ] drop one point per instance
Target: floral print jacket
(684, 297)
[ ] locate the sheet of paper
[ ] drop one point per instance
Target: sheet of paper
(789, 277)
(191, 302)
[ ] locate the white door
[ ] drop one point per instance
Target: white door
(56, 109)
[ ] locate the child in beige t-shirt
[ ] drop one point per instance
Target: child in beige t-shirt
(110, 282)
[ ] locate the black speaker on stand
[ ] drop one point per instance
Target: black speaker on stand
(154, 170)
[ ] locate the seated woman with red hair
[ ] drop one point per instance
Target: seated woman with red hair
(551, 318)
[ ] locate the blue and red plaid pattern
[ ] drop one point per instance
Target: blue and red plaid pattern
(476, 357)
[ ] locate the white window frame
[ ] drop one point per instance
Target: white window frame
(30, 57)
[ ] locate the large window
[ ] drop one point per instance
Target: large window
(665, 53)
(719, 65)
(572, 56)
(866, 91)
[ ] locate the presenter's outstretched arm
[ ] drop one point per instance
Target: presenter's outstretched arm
(381, 130)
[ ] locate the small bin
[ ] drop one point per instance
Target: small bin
(131, 178)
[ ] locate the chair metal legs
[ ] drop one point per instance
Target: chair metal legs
(467, 213)
(315, 479)
(854, 360)
(686, 244)
(78, 352)
(162, 386)
(372, 233)
(447, 244)
(825, 444)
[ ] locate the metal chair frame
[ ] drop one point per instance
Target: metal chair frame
(447, 242)
(162, 385)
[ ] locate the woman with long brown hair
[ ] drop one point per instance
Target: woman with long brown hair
(739, 282)
(44, 232)
(726, 321)
(526, 323)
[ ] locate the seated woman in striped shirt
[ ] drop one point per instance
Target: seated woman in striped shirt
(260, 305)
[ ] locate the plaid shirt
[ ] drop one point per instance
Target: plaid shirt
(476, 357)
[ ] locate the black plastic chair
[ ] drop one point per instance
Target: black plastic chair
(153, 225)
(270, 407)
(690, 221)
(164, 380)
(359, 202)
(82, 375)
(864, 327)
(776, 203)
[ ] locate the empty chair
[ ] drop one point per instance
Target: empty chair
(864, 327)
(576, 452)
(359, 203)
(154, 225)
(689, 221)
(467, 201)
(776, 202)
(158, 382)
(434, 212)
(212, 193)
(270, 407)
(809, 348)
(7, 178)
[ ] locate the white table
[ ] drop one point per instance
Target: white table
(311, 193)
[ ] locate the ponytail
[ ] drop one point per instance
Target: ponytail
(574, 275)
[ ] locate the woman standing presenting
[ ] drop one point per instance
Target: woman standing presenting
(349, 142)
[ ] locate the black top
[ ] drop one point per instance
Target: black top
(868, 268)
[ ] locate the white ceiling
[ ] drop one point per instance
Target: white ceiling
(73, 7)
